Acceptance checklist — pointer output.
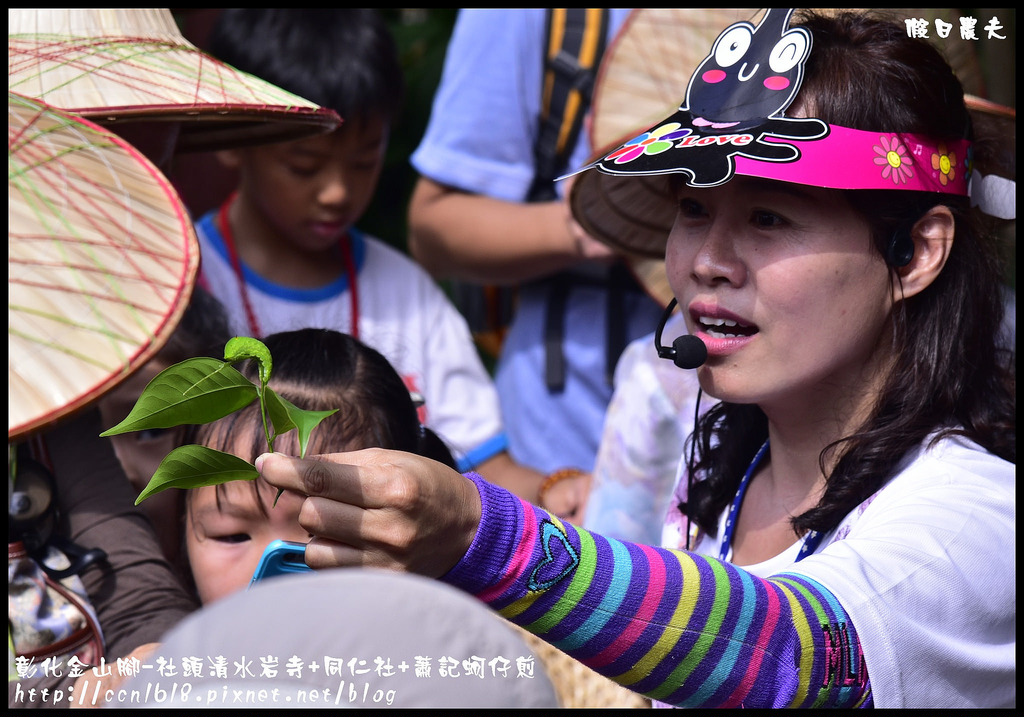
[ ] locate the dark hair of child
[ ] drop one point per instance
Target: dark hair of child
(202, 331)
(320, 370)
(345, 59)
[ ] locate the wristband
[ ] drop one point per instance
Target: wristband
(555, 477)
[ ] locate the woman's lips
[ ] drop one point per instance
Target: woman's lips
(723, 346)
(722, 331)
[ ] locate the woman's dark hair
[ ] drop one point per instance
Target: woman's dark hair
(321, 370)
(949, 374)
(345, 59)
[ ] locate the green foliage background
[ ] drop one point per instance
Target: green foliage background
(422, 38)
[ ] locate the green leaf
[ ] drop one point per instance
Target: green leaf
(196, 466)
(285, 416)
(277, 409)
(198, 390)
(245, 347)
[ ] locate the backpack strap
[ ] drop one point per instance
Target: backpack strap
(576, 41)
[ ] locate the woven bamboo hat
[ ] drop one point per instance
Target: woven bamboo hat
(118, 66)
(102, 258)
(643, 77)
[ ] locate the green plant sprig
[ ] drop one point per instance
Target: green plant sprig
(202, 390)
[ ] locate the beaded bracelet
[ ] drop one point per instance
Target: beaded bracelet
(554, 477)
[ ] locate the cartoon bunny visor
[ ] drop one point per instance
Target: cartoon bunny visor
(731, 123)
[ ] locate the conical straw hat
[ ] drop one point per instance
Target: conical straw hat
(102, 259)
(129, 65)
(642, 79)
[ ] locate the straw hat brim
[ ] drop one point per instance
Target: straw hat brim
(642, 80)
(578, 686)
(102, 259)
(133, 65)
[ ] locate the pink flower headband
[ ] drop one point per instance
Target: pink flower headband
(839, 158)
(733, 121)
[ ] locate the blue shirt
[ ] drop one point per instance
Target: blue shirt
(480, 139)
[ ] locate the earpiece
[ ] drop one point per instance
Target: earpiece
(900, 250)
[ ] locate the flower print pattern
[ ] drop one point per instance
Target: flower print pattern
(944, 162)
(655, 141)
(894, 159)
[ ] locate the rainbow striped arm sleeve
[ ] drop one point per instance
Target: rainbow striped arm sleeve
(678, 627)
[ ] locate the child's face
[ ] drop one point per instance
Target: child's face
(140, 453)
(312, 191)
(225, 541)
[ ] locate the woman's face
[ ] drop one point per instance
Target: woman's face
(225, 541)
(782, 283)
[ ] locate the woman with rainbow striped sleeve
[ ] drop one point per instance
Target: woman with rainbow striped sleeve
(851, 493)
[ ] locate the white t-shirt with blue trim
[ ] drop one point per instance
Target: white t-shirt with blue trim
(403, 314)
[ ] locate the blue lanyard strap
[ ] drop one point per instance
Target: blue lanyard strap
(734, 509)
(811, 541)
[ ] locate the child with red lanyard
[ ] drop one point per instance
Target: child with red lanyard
(283, 251)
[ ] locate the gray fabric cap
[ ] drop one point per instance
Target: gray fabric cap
(414, 626)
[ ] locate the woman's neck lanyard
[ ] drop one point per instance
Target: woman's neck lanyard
(229, 241)
(811, 540)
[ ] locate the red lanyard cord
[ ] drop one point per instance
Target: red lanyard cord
(229, 241)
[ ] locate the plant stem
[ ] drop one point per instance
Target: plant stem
(263, 415)
(270, 438)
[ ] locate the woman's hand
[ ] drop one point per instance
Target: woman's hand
(380, 508)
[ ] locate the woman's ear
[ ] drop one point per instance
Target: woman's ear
(932, 236)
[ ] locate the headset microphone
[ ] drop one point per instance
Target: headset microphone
(687, 351)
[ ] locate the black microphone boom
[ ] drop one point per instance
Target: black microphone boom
(687, 350)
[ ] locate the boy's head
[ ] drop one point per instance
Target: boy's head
(228, 526)
(344, 59)
(312, 192)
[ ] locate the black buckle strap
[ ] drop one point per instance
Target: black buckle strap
(554, 335)
(619, 282)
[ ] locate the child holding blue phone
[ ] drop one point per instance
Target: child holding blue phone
(228, 527)
(236, 536)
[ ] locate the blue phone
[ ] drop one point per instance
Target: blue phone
(281, 557)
